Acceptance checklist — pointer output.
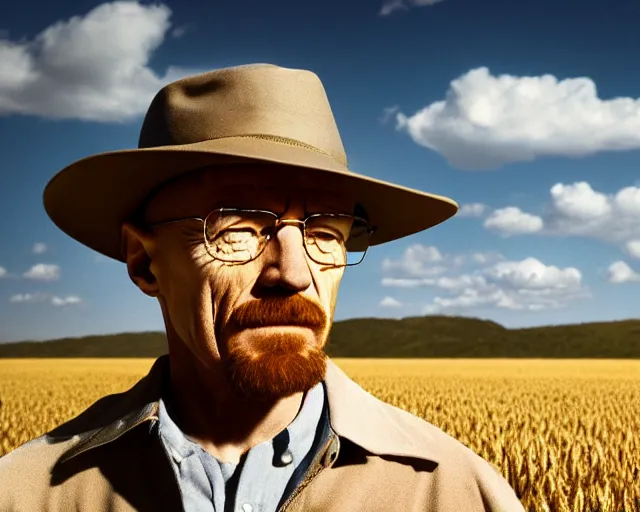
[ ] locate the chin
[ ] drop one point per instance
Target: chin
(275, 366)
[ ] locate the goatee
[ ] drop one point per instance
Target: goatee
(281, 362)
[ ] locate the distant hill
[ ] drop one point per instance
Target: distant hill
(426, 336)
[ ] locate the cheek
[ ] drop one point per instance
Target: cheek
(177, 277)
(229, 286)
(183, 283)
(328, 285)
(179, 263)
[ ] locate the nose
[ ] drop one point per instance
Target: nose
(287, 264)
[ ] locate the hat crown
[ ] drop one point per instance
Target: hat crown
(258, 100)
(253, 114)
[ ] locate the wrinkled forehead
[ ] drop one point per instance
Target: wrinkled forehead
(256, 186)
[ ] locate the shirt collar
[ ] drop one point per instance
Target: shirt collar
(297, 437)
(354, 414)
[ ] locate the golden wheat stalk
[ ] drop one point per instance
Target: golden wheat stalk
(565, 434)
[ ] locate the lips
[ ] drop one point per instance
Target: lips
(291, 323)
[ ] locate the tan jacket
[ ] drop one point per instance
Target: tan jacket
(378, 458)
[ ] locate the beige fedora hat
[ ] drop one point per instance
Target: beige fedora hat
(257, 113)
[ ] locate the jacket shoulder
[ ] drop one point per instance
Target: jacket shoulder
(99, 414)
(458, 463)
(42, 451)
(25, 472)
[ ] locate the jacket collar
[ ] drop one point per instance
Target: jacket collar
(354, 414)
(373, 424)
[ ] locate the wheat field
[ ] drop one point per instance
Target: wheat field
(565, 434)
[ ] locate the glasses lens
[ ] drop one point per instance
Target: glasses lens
(336, 240)
(358, 241)
(238, 237)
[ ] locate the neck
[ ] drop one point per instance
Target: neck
(209, 411)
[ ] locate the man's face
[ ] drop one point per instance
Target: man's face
(264, 323)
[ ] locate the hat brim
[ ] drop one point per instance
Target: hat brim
(90, 199)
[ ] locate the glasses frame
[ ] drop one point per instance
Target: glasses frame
(278, 222)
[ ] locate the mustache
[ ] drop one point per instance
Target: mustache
(271, 311)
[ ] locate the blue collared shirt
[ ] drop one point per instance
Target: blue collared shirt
(258, 482)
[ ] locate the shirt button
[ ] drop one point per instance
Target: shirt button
(176, 456)
(247, 508)
(287, 457)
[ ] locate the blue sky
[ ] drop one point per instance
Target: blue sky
(527, 114)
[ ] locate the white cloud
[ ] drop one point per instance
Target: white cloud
(43, 272)
(391, 6)
(513, 221)
(633, 248)
(578, 210)
(407, 282)
(473, 258)
(42, 297)
(3, 271)
(92, 67)
(534, 275)
(579, 201)
(628, 201)
(487, 121)
(527, 285)
(65, 301)
(390, 302)
(419, 265)
(472, 210)
(486, 257)
(620, 272)
(473, 298)
(459, 282)
(28, 297)
(39, 248)
(417, 261)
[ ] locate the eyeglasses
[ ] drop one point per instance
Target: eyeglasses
(238, 236)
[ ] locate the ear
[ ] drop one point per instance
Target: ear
(137, 248)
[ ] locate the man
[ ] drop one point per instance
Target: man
(239, 214)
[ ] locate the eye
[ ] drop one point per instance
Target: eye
(267, 231)
(237, 235)
(325, 235)
(249, 231)
(329, 228)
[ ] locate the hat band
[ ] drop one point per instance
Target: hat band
(288, 141)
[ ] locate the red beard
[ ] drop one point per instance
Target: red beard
(278, 364)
